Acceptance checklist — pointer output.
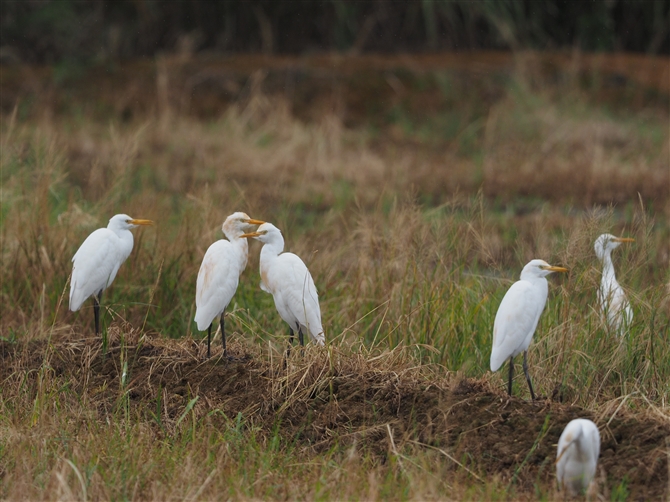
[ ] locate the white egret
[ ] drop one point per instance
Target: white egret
(98, 259)
(287, 279)
(517, 317)
(577, 455)
(219, 274)
(611, 298)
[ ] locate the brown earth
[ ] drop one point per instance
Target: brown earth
(347, 398)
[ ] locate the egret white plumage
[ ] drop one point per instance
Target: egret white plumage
(577, 455)
(98, 259)
(517, 317)
(219, 274)
(286, 277)
(612, 300)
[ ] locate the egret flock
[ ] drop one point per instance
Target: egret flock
(286, 277)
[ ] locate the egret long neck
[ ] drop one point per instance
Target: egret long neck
(125, 239)
(608, 270)
(243, 247)
(269, 254)
(272, 248)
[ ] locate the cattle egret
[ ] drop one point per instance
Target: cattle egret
(287, 279)
(98, 259)
(611, 298)
(517, 317)
(577, 455)
(219, 275)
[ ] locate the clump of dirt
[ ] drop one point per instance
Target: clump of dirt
(318, 398)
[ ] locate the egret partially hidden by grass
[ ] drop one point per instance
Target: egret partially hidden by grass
(612, 300)
(98, 259)
(219, 275)
(286, 277)
(577, 455)
(517, 318)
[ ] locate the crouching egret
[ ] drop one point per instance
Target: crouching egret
(518, 315)
(219, 275)
(577, 455)
(287, 279)
(98, 259)
(611, 298)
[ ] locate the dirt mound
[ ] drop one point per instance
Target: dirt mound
(379, 404)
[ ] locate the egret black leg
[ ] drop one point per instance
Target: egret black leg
(511, 375)
(290, 343)
(209, 340)
(97, 299)
(223, 335)
(525, 370)
(301, 338)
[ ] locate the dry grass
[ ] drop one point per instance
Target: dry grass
(413, 231)
(151, 417)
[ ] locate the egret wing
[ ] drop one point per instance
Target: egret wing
(298, 293)
(95, 265)
(614, 304)
(217, 282)
(516, 317)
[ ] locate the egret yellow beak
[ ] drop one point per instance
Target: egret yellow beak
(141, 222)
(251, 234)
(555, 269)
(251, 221)
(623, 239)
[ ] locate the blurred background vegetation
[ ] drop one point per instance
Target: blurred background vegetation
(49, 31)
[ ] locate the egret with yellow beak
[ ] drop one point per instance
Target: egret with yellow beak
(612, 300)
(286, 277)
(219, 275)
(98, 259)
(517, 318)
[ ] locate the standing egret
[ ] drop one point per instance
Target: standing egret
(98, 259)
(517, 317)
(287, 279)
(611, 298)
(219, 274)
(577, 455)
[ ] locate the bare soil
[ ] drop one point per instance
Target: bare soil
(346, 399)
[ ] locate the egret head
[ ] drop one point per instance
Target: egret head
(540, 268)
(238, 223)
(125, 222)
(266, 233)
(607, 242)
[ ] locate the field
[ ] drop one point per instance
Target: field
(415, 189)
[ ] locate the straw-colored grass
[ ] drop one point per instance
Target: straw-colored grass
(411, 246)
